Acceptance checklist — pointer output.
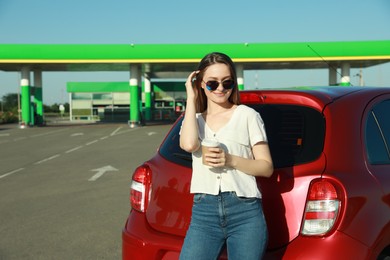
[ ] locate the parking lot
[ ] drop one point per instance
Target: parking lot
(64, 190)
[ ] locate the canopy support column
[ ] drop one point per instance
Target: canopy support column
(240, 76)
(38, 96)
(345, 73)
(134, 96)
(26, 96)
(148, 97)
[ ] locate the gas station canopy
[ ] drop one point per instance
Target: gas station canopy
(175, 60)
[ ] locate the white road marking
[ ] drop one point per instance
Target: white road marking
(74, 149)
(115, 131)
(94, 141)
(48, 133)
(101, 171)
(47, 159)
(76, 134)
(12, 172)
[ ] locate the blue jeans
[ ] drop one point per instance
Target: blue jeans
(225, 219)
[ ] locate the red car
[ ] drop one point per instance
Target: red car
(328, 198)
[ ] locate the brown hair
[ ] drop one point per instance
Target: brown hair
(210, 59)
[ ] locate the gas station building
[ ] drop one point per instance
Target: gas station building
(110, 101)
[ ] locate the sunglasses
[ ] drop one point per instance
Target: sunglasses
(212, 85)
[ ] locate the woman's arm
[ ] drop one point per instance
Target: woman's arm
(260, 166)
(189, 140)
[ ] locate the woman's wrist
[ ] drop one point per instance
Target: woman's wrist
(230, 161)
(191, 100)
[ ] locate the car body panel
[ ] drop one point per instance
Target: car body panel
(170, 204)
(283, 194)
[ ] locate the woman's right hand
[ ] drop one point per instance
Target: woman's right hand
(192, 91)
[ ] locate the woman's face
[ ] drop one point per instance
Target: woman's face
(217, 72)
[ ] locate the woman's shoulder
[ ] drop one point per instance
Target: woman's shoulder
(244, 109)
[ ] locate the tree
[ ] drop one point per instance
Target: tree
(9, 108)
(10, 102)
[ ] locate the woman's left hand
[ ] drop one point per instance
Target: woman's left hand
(216, 157)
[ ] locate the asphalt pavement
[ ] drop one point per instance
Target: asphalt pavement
(64, 188)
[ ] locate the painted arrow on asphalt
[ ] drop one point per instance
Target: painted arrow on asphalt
(101, 171)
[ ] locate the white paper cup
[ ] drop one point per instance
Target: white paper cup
(206, 144)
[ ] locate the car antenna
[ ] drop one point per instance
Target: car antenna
(329, 65)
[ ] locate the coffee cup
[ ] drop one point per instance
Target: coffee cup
(206, 145)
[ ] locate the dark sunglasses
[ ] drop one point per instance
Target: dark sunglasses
(212, 85)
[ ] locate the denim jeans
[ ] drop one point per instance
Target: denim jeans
(225, 219)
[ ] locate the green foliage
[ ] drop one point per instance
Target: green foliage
(9, 116)
(9, 102)
(9, 108)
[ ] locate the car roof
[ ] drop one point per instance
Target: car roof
(317, 97)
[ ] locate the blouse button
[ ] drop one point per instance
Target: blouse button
(218, 177)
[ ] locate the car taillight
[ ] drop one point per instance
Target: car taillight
(322, 208)
(140, 188)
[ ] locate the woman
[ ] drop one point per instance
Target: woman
(227, 207)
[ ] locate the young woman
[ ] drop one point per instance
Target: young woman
(227, 207)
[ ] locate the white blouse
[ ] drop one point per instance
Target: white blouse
(244, 129)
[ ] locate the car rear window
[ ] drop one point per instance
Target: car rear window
(295, 136)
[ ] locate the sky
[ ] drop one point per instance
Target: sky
(201, 21)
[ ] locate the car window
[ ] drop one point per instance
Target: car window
(171, 150)
(382, 114)
(377, 134)
(295, 135)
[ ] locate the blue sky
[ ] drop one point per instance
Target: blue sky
(179, 21)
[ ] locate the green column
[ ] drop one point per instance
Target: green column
(345, 72)
(38, 96)
(148, 106)
(39, 104)
(148, 98)
(26, 95)
(26, 105)
(240, 76)
(240, 86)
(134, 94)
(134, 106)
(345, 83)
(32, 111)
